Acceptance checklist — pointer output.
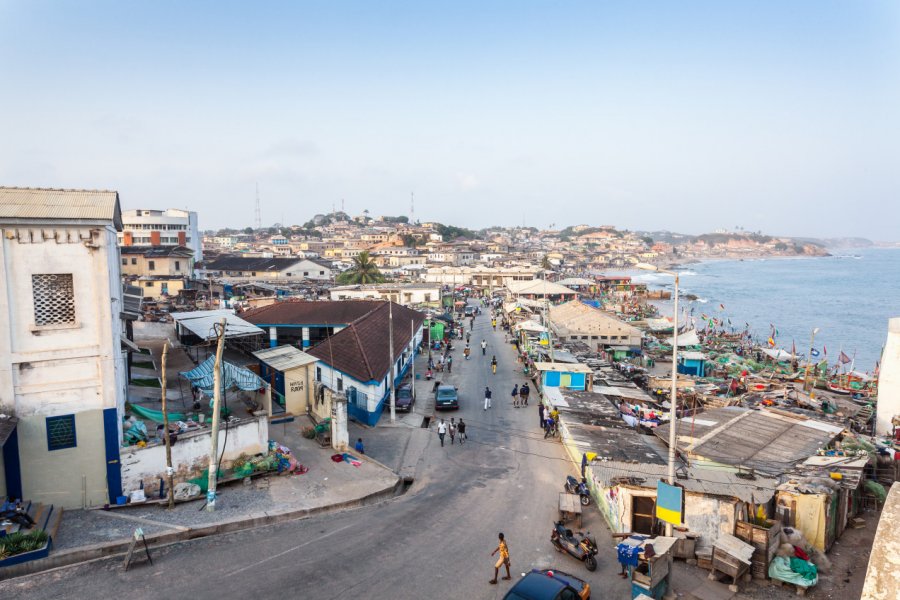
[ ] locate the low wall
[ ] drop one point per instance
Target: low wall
(190, 454)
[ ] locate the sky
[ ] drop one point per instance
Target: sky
(779, 116)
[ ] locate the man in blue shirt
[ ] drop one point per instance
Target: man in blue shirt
(359, 446)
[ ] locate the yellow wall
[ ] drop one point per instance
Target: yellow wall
(297, 393)
(57, 477)
(154, 290)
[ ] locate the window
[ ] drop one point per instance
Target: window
(340, 384)
(321, 272)
(306, 273)
(54, 299)
(319, 374)
(151, 265)
(124, 261)
(148, 284)
(584, 337)
(177, 265)
(61, 432)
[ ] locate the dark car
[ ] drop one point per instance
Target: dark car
(470, 311)
(446, 397)
(549, 584)
(403, 398)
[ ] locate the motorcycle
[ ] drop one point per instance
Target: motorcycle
(573, 486)
(578, 545)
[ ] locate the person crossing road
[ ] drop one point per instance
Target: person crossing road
(483, 347)
(494, 366)
(487, 397)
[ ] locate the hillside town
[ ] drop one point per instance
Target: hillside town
(312, 365)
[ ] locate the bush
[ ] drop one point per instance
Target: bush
(19, 543)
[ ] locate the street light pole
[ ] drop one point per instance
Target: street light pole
(673, 399)
(812, 340)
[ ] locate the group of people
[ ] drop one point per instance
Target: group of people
(520, 395)
(456, 430)
(549, 420)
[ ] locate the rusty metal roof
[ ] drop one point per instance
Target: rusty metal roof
(56, 204)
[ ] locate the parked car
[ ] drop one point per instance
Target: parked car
(549, 584)
(403, 398)
(446, 397)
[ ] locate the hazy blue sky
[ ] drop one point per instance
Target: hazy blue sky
(782, 116)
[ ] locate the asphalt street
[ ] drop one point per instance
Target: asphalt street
(433, 542)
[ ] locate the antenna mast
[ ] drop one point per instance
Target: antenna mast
(412, 207)
(258, 212)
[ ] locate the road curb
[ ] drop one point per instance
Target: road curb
(93, 552)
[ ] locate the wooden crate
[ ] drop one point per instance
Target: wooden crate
(765, 542)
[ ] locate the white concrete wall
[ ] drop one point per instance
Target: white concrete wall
(190, 454)
(889, 380)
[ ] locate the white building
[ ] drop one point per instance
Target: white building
(405, 294)
(241, 268)
(889, 381)
(62, 368)
(170, 227)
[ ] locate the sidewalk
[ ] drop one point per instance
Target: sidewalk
(328, 486)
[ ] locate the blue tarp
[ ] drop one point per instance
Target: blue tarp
(201, 377)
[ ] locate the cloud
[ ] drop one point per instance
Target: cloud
(467, 181)
(291, 147)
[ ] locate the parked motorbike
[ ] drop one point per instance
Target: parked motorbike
(573, 486)
(578, 545)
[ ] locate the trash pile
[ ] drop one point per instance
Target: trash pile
(797, 561)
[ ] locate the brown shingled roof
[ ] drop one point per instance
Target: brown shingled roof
(326, 312)
(361, 349)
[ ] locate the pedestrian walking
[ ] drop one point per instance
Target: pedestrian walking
(515, 396)
(449, 364)
(541, 416)
(503, 549)
(525, 391)
(468, 336)
(466, 352)
(461, 428)
(487, 398)
(452, 430)
(483, 348)
(494, 365)
(442, 431)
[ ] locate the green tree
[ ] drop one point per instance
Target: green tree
(363, 271)
(546, 264)
(248, 230)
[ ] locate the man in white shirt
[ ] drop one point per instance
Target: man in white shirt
(442, 431)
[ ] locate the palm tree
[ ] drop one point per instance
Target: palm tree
(363, 271)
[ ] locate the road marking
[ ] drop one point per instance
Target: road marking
(289, 550)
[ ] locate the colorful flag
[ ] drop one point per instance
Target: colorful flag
(824, 350)
(844, 358)
(721, 307)
(772, 342)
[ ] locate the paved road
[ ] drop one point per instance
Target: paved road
(433, 542)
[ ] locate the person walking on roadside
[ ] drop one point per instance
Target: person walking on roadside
(525, 391)
(503, 549)
(442, 431)
(468, 337)
(461, 428)
(449, 364)
(515, 396)
(452, 430)
(483, 348)
(466, 352)
(541, 416)
(494, 365)
(487, 398)
(494, 324)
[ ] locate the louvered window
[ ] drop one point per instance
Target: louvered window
(54, 299)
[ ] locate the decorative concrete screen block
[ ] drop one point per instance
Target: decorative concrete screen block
(54, 299)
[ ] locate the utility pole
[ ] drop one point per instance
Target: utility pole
(217, 393)
(170, 470)
(258, 215)
(673, 401)
(812, 341)
(412, 342)
(391, 353)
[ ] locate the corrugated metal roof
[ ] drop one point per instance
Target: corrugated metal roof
(284, 358)
(712, 482)
(41, 203)
(202, 323)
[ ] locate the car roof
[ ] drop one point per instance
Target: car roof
(537, 586)
(446, 387)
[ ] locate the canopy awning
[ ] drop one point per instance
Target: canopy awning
(202, 323)
(688, 338)
(778, 354)
(201, 377)
(530, 326)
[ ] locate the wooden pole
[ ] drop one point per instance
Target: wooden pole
(214, 448)
(170, 470)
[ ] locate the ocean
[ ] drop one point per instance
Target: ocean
(849, 296)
